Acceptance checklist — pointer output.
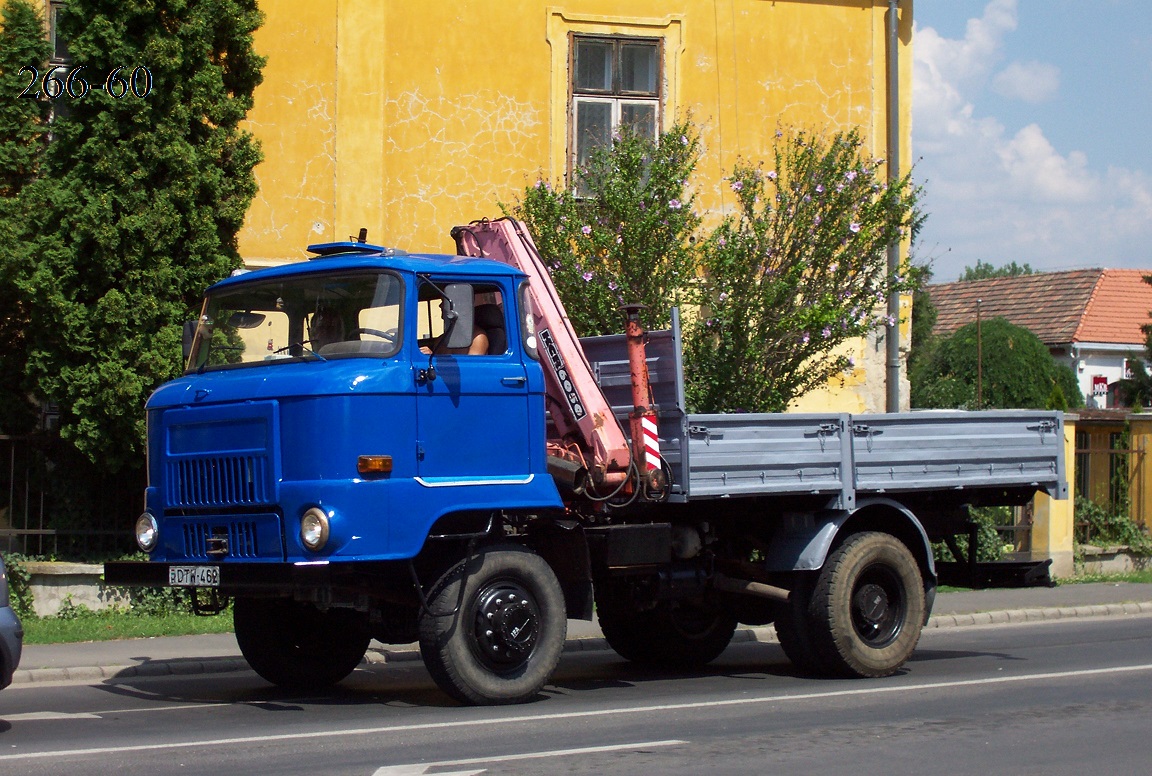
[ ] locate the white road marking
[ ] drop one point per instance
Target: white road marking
(418, 770)
(38, 715)
(329, 735)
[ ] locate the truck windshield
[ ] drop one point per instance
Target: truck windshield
(316, 316)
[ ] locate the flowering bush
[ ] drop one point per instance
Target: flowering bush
(626, 237)
(798, 270)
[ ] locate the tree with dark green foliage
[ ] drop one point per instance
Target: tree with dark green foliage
(1016, 372)
(138, 206)
(984, 270)
(23, 136)
(923, 340)
(23, 122)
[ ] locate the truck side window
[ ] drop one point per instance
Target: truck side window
(489, 330)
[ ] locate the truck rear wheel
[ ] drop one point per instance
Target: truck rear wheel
(867, 608)
(674, 634)
(794, 629)
(296, 645)
(504, 641)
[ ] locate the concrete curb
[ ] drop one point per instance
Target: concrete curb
(765, 634)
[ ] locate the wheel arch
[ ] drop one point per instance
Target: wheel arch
(804, 545)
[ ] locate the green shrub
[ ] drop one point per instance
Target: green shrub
(989, 544)
(1099, 526)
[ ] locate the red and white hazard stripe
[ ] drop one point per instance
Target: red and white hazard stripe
(651, 442)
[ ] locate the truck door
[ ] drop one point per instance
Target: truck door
(472, 417)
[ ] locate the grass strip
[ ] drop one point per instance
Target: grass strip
(110, 626)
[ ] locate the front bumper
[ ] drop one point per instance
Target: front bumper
(234, 577)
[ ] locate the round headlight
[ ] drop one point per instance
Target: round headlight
(314, 529)
(147, 532)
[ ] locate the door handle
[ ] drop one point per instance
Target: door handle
(513, 381)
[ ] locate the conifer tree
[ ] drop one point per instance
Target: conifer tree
(143, 193)
(24, 51)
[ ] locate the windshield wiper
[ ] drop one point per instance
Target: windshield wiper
(305, 344)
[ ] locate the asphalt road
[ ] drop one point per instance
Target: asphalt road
(1060, 697)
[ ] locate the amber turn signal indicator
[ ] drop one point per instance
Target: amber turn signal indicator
(374, 464)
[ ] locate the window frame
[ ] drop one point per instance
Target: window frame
(615, 96)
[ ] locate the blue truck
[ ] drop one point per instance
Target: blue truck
(418, 448)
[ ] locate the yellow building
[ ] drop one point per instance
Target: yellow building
(408, 118)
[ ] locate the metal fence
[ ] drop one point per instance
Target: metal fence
(1112, 477)
(27, 525)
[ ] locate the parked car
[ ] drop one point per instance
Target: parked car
(11, 633)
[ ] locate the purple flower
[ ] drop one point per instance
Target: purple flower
(737, 185)
(721, 242)
(675, 204)
(854, 227)
(779, 134)
(587, 276)
(772, 175)
(826, 332)
(723, 296)
(587, 230)
(850, 175)
(804, 338)
(889, 321)
(819, 188)
(611, 285)
(683, 140)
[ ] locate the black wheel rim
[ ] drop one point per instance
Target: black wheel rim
(879, 605)
(506, 625)
(694, 622)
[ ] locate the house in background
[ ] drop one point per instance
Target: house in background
(1089, 319)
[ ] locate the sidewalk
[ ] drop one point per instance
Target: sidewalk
(193, 655)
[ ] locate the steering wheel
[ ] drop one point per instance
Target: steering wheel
(389, 335)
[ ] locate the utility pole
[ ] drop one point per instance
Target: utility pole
(979, 361)
(892, 340)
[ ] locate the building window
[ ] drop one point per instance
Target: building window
(615, 83)
(59, 45)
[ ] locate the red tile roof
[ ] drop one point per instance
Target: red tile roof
(1087, 305)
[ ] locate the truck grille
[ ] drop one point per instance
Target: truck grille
(240, 537)
(218, 481)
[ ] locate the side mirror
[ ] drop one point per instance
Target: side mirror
(458, 314)
(186, 339)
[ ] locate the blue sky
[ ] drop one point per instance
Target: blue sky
(1032, 133)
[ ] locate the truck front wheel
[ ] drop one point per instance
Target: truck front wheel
(495, 627)
(296, 645)
(867, 608)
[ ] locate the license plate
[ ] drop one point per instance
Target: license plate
(194, 576)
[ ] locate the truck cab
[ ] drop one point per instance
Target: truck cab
(331, 410)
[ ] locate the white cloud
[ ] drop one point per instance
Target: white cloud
(999, 196)
(1038, 172)
(1028, 81)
